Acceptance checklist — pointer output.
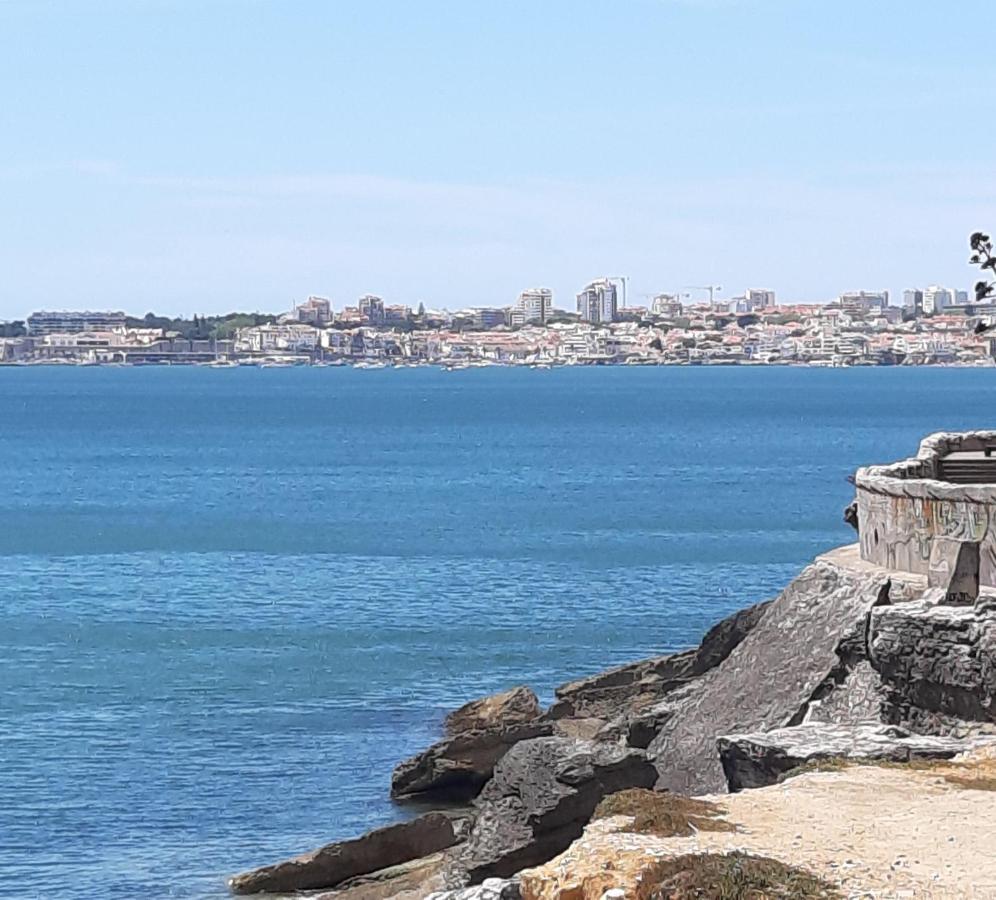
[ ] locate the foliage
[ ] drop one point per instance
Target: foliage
(12, 329)
(736, 876)
(664, 814)
(203, 327)
(982, 256)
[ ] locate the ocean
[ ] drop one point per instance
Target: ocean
(232, 600)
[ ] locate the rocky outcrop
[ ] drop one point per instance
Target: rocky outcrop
(456, 768)
(760, 759)
(515, 707)
(489, 889)
(770, 677)
(408, 881)
(541, 796)
(633, 687)
(334, 864)
(938, 663)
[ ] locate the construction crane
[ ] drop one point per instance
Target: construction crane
(711, 288)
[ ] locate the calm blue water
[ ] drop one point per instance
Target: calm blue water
(231, 600)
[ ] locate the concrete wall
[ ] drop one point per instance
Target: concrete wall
(910, 522)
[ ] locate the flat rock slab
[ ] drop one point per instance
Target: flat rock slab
(758, 760)
(333, 864)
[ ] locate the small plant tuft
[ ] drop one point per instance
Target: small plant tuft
(663, 814)
(736, 876)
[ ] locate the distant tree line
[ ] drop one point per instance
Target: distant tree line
(203, 327)
(13, 329)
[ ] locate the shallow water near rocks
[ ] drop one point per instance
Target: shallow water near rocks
(231, 600)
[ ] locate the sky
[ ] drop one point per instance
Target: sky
(204, 156)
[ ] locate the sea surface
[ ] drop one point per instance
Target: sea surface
(231, 600)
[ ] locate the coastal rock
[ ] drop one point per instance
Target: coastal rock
(408, 881)
(489, 889)
(514, 707)
(456, 768)
(758, 760)
(770, 677)
(541, 796)
(336, 863)
(937, 662)
(632, 687)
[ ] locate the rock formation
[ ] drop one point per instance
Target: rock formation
(885, 649)
(334, 864)
(758, 760)
(541, 796)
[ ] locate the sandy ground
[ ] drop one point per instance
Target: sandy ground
(875, 832)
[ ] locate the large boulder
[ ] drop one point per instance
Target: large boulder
(937, 662)
(758, 760)
(336, 863)
(456, 768)
(771, 676)
(515, 707)
(541, 796)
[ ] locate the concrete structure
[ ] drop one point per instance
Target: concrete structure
(532, 305)
(668, 305)
(936, 299)
(598, 301)
(293, 338)
(67, 322)
(315, 311)
(934, 514)
(487, 317)
(860, 303)
(371, 309)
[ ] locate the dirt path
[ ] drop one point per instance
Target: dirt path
(876, 832)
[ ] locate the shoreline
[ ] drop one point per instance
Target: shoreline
(276, 363)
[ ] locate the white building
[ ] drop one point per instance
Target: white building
(667, 305)
(937, 298)
(860, 303)
(598, 302)
(532, 305)
(281, 338)
(66, 322)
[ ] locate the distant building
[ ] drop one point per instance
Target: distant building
(936, 299)
(861, 303)
(291, 338)
(488, 317)
(397, 315)
(315, 311)
(598, 302)
(65, 322)
(752, 301)
(372, 309)
(759, 299)
(913, 302)
(532, 305)
(666, 305)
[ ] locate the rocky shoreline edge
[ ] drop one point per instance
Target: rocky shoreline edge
(850, 661)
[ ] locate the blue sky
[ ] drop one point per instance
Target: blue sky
(209, 155)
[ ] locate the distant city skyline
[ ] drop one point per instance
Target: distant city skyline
(219, 155)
